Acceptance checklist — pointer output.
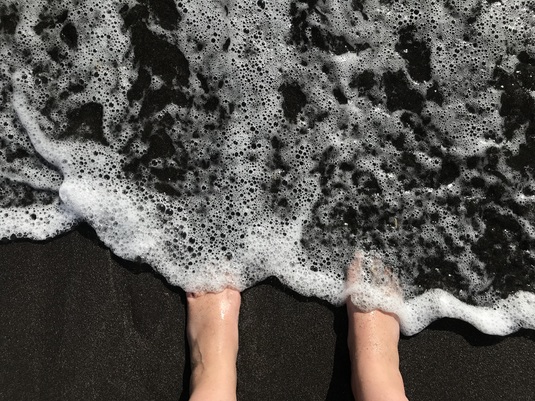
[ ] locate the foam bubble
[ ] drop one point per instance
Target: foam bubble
(226, 142)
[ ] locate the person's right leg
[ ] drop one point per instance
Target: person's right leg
(212, 328)
(373, 345)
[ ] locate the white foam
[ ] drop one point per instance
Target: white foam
(271, 196)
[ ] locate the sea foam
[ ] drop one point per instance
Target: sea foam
(225, 142)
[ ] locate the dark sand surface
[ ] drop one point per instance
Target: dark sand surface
(77, 323)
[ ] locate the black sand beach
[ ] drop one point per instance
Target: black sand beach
(77, 323)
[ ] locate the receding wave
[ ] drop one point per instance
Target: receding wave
(223, 142)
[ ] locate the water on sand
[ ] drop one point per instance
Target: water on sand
(225, 142)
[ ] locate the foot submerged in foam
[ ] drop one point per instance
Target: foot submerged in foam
(212, 330)
(373, 347)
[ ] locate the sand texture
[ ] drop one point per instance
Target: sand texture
(78, 323)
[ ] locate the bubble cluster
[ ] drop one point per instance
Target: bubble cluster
(225, 142)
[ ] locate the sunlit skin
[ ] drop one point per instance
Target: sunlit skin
(213, 337)
(373, 344)
(373, 348)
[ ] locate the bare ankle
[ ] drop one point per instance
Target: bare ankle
(213, 384)
(377, 382)
(202, 394)
(373, 345)
(213, 337)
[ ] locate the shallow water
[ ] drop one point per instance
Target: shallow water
(225, 142)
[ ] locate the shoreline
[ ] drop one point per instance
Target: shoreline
(80, 323)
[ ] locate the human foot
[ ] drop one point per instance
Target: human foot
(373, 346)
(372, 340)
(212, 330)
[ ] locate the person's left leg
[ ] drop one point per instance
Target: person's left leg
(373, 342)
(212, 329)
(373, 347)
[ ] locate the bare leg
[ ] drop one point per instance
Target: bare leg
(373, 346)
(213, 338)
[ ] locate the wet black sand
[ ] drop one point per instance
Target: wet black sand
(77, 323)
